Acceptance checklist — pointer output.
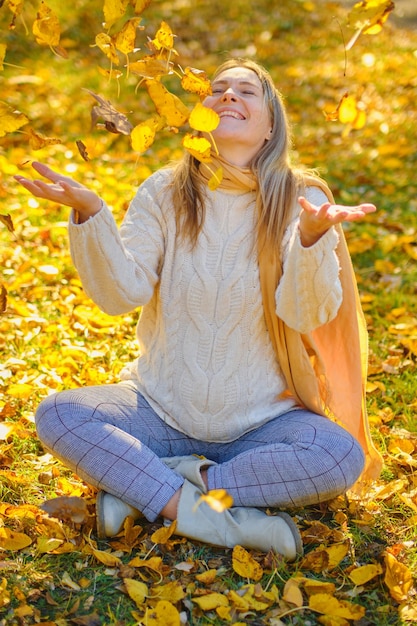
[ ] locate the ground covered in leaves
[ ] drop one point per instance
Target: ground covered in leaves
(360, 556)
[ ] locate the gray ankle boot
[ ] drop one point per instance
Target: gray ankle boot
(111, 513)
(244, 526)
(189, 467)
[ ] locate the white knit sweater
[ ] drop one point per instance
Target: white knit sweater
(206, 363)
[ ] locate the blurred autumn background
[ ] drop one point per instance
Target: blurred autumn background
(70, 97)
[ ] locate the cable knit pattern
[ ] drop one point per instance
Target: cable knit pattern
(206, 363)
(318, 293)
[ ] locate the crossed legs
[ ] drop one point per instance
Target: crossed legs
(112, 439)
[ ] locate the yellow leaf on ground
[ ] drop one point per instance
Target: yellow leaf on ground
(172, 592)
(106, 558)
(12, 540)
(154, 563)
(332, 620)
(164, 614)
(398, 578)
(211, 601)
(245, 565)
(329, 605)
(67, 581)
(207, 577)
(292, 593)
(361, 575)
(136, 590)
(164, 533)
(45, 545)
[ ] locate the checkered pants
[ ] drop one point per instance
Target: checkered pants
(110, 437)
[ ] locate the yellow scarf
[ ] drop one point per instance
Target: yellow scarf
(326, 369)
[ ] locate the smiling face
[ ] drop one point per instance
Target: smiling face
(245, 119)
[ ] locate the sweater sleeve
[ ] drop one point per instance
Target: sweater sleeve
(309, 293)
(120, 268)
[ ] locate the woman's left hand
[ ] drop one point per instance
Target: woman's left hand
(315, 221)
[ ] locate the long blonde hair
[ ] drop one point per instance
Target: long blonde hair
(278, 183)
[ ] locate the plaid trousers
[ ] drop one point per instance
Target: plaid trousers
(110, 437)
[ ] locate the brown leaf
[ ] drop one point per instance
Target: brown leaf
(115, 122)
(7, 221)
(82, 150)
(67, 508)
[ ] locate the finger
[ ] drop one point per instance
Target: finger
(46, 171)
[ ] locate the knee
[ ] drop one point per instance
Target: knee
(49, 420)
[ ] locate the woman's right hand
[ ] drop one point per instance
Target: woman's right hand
(63, 190)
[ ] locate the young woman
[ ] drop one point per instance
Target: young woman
(251, 368)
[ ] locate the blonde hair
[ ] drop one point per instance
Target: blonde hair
(278, 183)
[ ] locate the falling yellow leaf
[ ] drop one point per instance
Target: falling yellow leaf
(245, 565)
(217, 499)
(216, 179)
(113, 10)
(106, 45)
(136, 590)
(10, 120)
(12, 540)
(140, 5)
(124, 40)
(398, 578)
(196, 81)
(38, 141)
(365, 573)
(143, 135)
(329, 605)
(3, 49)
(167, 104)
(164, 38)
(199, 147)
(351, 112)
(151, 67)
(369, 16)
(46, 27)
(203, 119)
